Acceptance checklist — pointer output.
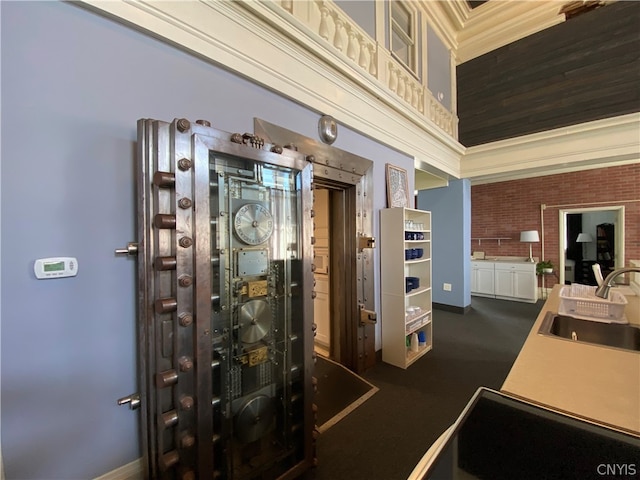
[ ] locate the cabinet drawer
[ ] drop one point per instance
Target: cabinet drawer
(522, 267)
(483, 265)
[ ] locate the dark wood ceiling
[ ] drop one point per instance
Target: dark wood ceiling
(578, 71)
(476, 3)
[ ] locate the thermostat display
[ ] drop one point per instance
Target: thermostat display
(58, 267)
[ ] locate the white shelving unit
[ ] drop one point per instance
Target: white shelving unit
(397, 324)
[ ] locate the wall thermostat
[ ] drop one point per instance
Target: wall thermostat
(55, 267)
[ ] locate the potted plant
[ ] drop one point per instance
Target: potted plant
(545, 266)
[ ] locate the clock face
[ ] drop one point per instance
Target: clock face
(253, 224)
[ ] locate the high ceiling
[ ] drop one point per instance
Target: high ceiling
(476, 3)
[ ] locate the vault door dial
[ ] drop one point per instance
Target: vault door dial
(253, 224)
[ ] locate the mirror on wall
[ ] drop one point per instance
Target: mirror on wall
(590, 236)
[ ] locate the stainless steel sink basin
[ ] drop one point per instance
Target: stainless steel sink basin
(613, 335)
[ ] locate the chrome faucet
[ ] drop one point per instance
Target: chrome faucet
(603, 290)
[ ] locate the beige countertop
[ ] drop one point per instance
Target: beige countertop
(598, 383)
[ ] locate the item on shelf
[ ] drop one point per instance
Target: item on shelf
(414, 342)
(412, 283)
(422, 339)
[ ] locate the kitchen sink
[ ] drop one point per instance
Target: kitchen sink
(614, 335)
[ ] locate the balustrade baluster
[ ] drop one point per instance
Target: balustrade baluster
(352, 47)
(362, 58)
(337, 37)
(393, 78)
(323, 29)
(373, 61)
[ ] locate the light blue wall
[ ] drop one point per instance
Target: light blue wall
(363, 12)
(73, 86)
(438, 68)
(451, 241)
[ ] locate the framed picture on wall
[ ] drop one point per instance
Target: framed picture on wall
(397, 187)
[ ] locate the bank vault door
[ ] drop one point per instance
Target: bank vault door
(225, 304)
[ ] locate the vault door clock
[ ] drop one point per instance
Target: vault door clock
(253, 223)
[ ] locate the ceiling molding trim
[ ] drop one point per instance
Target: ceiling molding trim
(502, 23)
(446, 18)
(601, 143)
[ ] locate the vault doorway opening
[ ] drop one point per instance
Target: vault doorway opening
(343, 184)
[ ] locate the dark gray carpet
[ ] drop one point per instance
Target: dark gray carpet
(386, 436)
(338, 390)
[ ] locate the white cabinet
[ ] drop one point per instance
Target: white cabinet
(504, 280)
(321, 310)
(405, 283)
(516, 281)
(482, 279)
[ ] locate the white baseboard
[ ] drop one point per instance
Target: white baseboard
(130, 471)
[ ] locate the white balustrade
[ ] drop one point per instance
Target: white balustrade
(330, 23)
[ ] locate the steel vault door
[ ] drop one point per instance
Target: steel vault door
(225, 304)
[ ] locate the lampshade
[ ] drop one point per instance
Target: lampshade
(584, 238)
(529, 236)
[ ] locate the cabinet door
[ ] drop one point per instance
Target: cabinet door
(474, 280)
(321, 310)
(504, 283)
(524, 284)
(485, 283)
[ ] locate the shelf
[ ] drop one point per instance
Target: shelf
(415, 323)
(499, 239)
(413, 356)
(417, 260)
(418, 291)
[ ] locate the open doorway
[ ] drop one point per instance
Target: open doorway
(322, 273)
(345, 182)
(340, 334)
(590, 236)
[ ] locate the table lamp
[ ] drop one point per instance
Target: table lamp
(530, 236)
(584, 238)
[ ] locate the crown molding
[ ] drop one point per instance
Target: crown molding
(601, 143)
(447, 19)
(252, 39)
(496, 24)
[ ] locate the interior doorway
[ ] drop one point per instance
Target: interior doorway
(322, 273)
(589, 236)
(349, 284)
(339, 332)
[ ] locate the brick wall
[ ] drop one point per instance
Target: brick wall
(505, 209)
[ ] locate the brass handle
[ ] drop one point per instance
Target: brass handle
(367, 317)
(366, 242)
